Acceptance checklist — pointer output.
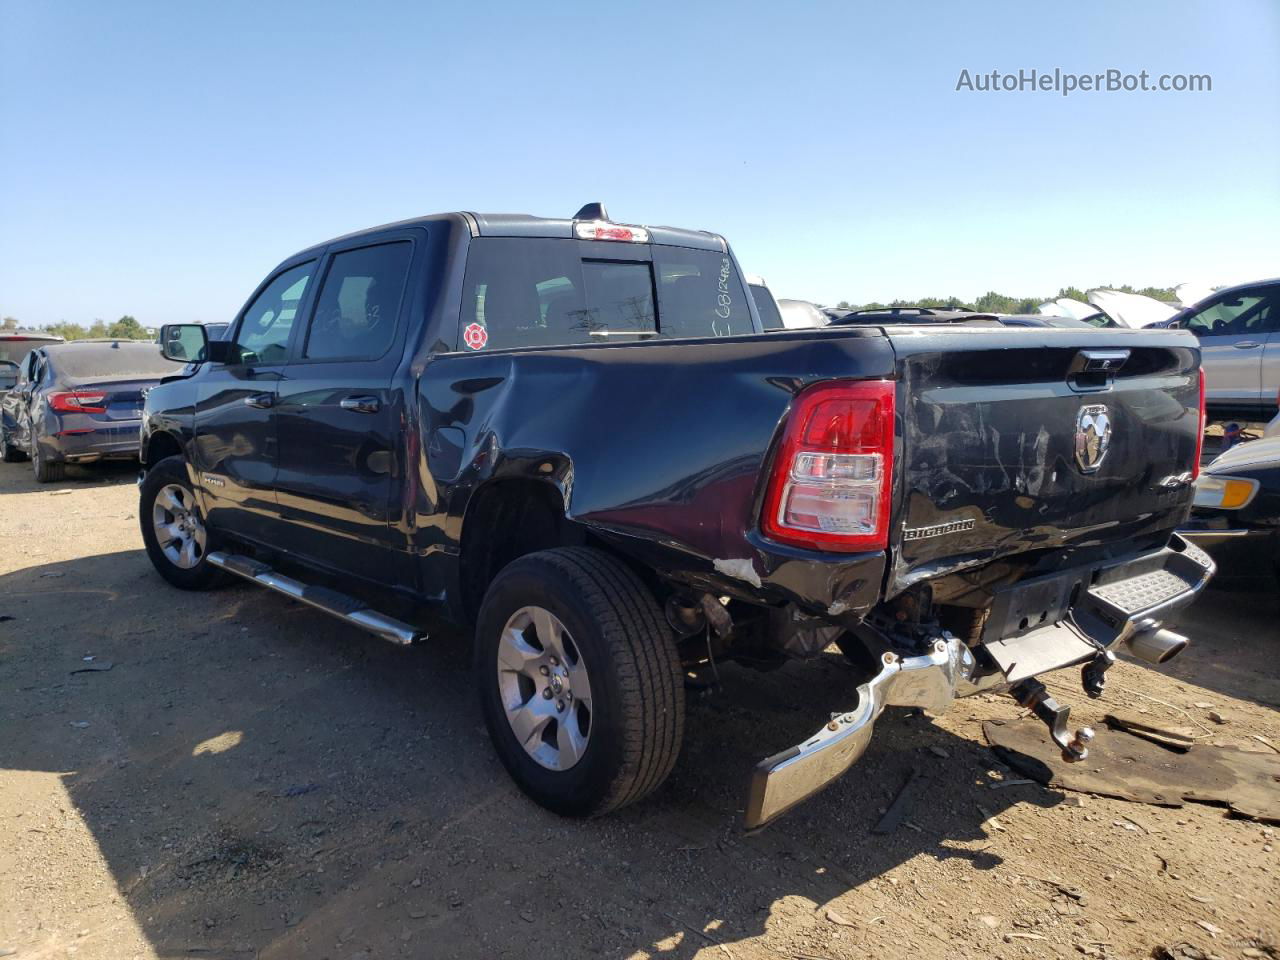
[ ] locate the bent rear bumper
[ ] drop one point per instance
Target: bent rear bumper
(783, 780)
(1119, 603)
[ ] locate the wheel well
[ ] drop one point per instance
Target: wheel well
(505, 520)
(161, 445)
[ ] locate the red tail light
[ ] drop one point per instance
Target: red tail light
(1195, 467)
(830, 484)
(78, 402)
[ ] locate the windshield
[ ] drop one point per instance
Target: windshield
(83, 360)
(545, 292)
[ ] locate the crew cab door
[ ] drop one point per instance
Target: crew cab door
(235, 457)
(339, 422)
(1233, 330)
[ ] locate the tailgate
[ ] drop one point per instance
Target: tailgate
(1017, 441)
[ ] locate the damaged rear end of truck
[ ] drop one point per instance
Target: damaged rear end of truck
(1029, 496)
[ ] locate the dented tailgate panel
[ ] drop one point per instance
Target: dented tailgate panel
(1016, 441)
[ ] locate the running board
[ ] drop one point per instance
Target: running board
(336, 604)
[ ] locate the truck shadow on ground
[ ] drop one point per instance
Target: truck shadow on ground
(262, 780)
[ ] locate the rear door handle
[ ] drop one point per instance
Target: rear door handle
(260, 400)
(1246, 344)
(360, 404)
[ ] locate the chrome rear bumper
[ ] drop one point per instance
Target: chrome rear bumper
(930, 681)
(1118, 604)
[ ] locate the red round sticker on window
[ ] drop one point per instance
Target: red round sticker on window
(475, 336)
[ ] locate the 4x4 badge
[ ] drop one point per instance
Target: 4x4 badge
(1093, 436)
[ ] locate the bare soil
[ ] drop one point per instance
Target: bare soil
(253, 779)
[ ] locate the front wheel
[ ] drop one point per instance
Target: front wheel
(579, 681)
(173, 529)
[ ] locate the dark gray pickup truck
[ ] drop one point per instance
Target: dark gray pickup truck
(574, 435)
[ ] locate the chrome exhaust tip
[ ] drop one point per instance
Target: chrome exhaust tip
(1157, 646)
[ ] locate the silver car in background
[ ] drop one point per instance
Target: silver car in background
(1239, 332)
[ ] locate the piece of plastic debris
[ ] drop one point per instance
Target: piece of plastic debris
(101, 666)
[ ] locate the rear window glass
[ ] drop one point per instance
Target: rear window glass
(110, 360)
(15, 350)
(546, 292)
(770, 318)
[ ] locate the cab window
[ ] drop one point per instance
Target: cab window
(359, 303)
(263, 334)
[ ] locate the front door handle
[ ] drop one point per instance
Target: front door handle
(1246, 344)
(260, 400)
(360, 404)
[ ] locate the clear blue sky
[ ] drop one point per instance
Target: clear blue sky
(159, 158)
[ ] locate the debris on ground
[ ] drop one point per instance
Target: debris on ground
(839, 919)
(1176, 738)
(1135, 769)
(900, 807)
(96, 666)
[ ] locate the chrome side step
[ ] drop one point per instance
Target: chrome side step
(336, 604)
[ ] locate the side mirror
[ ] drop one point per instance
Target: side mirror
(184, 342)
(9, 372)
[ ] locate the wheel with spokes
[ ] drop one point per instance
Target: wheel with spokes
(579, 680)
(173, 528)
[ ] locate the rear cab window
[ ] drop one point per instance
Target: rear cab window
(770, 318)
(522, 292)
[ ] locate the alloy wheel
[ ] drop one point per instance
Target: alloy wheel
(544, 687)
(178, 527)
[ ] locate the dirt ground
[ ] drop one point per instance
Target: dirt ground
(252, 779)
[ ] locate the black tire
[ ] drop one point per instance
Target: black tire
(8, 452)
(637, 715)
(45, 470)
(202, 576)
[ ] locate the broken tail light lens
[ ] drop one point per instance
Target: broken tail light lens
(78, 402)
(1195, 467)
(604, 230)
(829, 489)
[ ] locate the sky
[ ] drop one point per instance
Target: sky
(158, 159)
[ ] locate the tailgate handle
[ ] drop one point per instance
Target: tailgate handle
(1095, 369)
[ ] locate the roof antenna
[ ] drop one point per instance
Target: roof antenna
(592, 211)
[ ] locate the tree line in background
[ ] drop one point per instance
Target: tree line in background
(126, 328)
(992, 302)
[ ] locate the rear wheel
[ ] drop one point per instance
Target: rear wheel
(45, 470)
(579, 680)
(173, 529)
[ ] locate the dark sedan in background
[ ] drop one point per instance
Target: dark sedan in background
(1236, 516)
(79, 402)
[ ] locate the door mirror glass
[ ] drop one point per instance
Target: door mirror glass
(8, 374)
(185, 342)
